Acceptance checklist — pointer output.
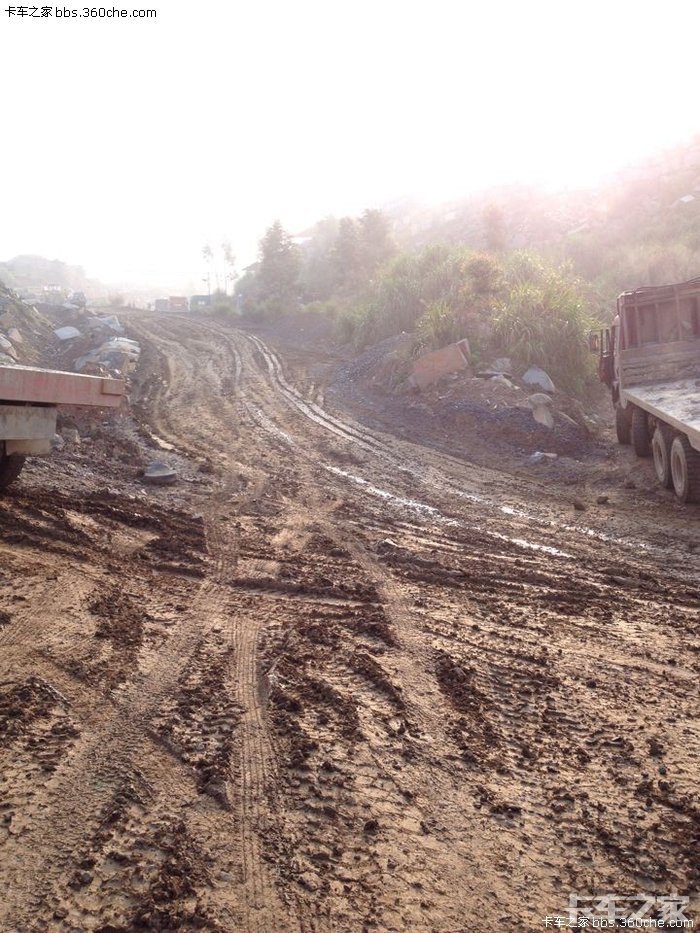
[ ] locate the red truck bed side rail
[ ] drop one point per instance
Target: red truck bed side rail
(46, 386)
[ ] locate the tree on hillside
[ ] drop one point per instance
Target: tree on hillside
(208, 257)
(341, 257)
(278, 270)
(247, 292)
(347, 254)
(377, 244)
(229, 264)
(319, 273)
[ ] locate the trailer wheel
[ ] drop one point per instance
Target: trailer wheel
(661, 451)
(685, 469)
(641, 440)
(10, 468)
(623, 424)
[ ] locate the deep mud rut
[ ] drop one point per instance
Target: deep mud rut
(344, 682)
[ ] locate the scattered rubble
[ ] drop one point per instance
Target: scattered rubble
(24, 332)
(493, 403)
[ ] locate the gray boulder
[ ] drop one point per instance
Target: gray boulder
(67, 333)
(538, 377)
(159, 474)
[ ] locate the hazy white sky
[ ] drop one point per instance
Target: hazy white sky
(129, 143)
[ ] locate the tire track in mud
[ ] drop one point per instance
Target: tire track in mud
(477, 533)
(260, 755)
(393, 454)
(114, 741)
(282, 438)
(403, 687)
(402, 582)
(409, 670)
(59, 588)
(117, 745)
(671, 593)
(252, 764)
(105, 756)
(181, 406)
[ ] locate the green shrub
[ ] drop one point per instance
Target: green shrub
(545, 321)
(352, 324)
(440, 291)
(437, 327)
(519, 305)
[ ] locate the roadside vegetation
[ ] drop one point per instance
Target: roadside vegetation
(525, 274)
(512, 304)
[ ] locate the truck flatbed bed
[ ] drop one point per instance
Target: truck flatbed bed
(676, 403)
(51, 387)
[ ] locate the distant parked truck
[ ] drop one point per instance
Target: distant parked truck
(28, 404)
(178, 303)
(650, 360)
(200, 302)
(161, 304)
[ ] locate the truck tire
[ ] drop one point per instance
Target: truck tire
(641, 440)
(661, 452)
(623, 424)
(685, 469)
(10, 468)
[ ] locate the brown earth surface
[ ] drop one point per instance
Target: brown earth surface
(335, 678)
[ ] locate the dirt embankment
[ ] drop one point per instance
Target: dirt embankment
(336, 678)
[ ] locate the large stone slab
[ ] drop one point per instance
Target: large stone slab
(437, 364)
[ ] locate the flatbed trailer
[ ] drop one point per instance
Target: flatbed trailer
(29, 401)
(650, 359)
(676, 404)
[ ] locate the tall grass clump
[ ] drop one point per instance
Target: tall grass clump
(544, 320)
(440, 293)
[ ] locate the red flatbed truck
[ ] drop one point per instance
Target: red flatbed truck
(29, 400)
(650, 360)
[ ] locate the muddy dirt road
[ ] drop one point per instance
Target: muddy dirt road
(335, 680)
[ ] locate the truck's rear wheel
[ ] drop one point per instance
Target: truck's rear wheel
(685, 469)
(10, 468)
(641, 439)
(623, 423)
(661, 452)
